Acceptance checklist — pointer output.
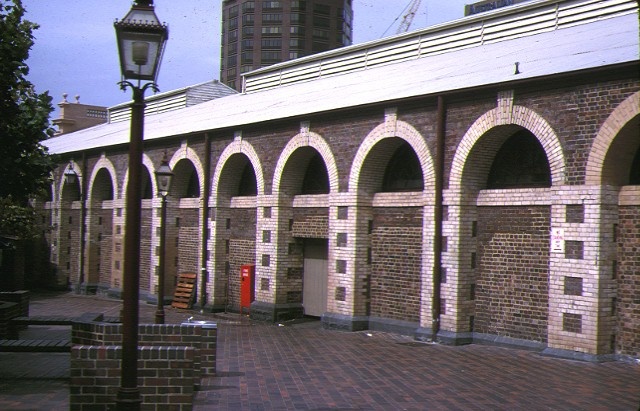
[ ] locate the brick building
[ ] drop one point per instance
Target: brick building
(260, 33)
(77, 116)
(479, 180)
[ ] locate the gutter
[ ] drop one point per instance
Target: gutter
(438, 216)
(204, 273)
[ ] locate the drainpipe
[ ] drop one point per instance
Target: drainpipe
(204, 274)
(437, 238)
(83, 223)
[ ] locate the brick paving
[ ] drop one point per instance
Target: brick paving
(300, 366)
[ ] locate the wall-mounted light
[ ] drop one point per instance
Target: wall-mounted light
(70, 175)
(164, 175)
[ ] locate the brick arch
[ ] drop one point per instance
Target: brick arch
(391, 129)
(237, 147)
(187, 153)
(146, 162)
(108, 165)
(313, 140)
(500, 125)
(76, 167)
(612, 126)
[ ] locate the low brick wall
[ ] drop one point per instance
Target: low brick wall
(21, 298)
(12, 304)
(202, 339)
(7, 312)
(165, 377)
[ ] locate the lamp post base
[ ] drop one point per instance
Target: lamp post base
(160, 317)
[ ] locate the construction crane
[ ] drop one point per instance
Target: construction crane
(407, 19)
(408, 13)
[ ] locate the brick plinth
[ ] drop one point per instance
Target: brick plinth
(165, 377)
(202, 339)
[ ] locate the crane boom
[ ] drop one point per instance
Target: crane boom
(407, 19)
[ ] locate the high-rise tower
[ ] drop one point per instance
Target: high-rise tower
(260, 33)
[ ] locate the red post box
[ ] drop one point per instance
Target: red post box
(247, 288)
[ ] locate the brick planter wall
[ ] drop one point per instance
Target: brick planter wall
(12, 304)
(203, 340)
(7, 312)
(165, 377)
(19, 297)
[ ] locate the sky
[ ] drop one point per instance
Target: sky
(75, 49)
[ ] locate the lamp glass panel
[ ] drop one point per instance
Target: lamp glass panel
(140, 29)
(130, 45)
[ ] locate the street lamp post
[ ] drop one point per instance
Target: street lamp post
(141, 41)
(163, 180)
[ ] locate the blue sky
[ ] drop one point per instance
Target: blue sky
(75, 50)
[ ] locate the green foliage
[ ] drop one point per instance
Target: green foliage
(25, 165)
(17, 221)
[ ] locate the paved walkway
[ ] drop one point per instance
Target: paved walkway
(300, 366)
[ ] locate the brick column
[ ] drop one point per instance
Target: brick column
(458, 267)
(426, 289)
(117, 260)
(218, 265)
(275, 216)
(349, 270)
(581, 285)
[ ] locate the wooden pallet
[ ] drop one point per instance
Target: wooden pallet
(185, 287)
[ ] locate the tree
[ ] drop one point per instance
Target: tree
(25, 165)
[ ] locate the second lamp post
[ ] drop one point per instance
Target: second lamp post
(163, 180)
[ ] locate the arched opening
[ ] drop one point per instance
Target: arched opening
(621, 165)
(69, 234)
(248, 185)
(506, 244)
(102, 187)
(305, 174)
(71, 191)
(634, 174)
(403, 172)
(193, 187)
(186, 183)
(236, 218)
(182, 225)
(621, 170)
(521, 162)
(100, 233)
(316, 177)
(146, 186)
(393, 239)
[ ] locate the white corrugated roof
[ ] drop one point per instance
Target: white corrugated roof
(596, 44)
